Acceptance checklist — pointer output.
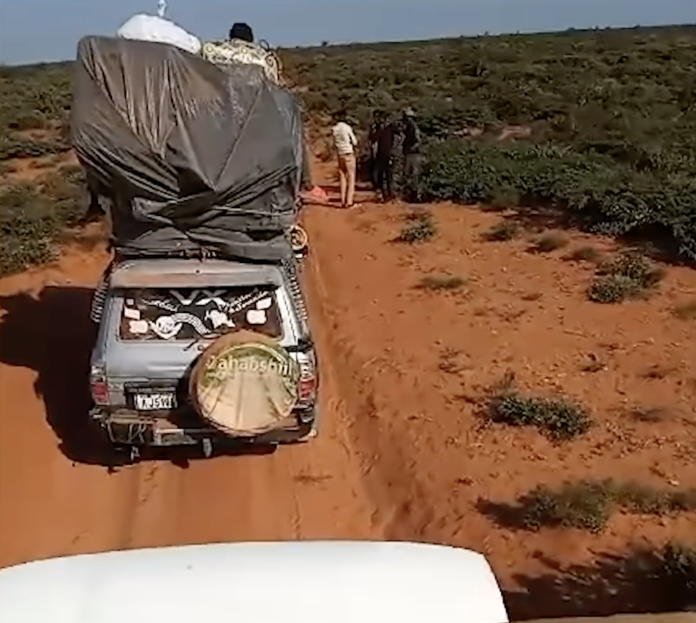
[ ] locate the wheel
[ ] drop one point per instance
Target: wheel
(125, 455)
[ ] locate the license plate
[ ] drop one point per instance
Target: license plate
(154, 402)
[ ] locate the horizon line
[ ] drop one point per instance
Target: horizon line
(368, 43)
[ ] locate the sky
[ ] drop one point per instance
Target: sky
(48, 30)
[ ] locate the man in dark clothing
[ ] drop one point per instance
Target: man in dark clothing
(242, 31)
(412, 156)
(372, 141)
(384, 160)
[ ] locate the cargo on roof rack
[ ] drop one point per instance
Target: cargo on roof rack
(193, 156)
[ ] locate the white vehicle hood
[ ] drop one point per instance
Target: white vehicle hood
(293, 582)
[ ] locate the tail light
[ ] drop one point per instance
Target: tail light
(98, 385)
(307, 386)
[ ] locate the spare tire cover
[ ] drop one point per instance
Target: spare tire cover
(245, 384)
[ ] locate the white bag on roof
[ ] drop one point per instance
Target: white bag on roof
(152, 28)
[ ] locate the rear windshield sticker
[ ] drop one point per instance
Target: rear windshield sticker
(193, 314)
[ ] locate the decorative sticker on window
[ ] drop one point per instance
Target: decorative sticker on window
(188, 314)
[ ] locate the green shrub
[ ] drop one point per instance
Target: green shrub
(420, 229)
(32, 219)
(605, 195)
(582, 505)
(505, 230)
(628, 277)
(614, 289)
(588, 504)
(558, 418)
(634, 266)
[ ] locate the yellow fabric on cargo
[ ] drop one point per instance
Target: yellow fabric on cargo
(238, 51)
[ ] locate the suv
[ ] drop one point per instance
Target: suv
(156, 316)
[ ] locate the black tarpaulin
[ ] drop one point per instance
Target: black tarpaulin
(193, 156)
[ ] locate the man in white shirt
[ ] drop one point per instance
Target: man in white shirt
(345, 144)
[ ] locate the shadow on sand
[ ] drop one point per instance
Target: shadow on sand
(641, 581)
(53, 336)
(655, 242)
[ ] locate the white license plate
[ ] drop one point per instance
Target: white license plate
(154, 402)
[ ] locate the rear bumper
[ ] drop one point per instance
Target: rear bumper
(130, 428)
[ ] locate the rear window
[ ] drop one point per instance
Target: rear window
(190, 314)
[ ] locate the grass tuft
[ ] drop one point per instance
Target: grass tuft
(550, 242)
(420, 229)
(507, 230)
(441, 282)
(685, 311)
(588, 505)
(585, 254)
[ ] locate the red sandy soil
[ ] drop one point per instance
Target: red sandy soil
(403, 452)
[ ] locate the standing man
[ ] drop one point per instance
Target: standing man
(345, 144)
(412, 156)
(373, 140)
(384, 159)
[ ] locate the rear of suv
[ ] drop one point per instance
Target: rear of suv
(156, 317)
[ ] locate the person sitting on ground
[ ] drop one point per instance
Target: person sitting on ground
(345, 144)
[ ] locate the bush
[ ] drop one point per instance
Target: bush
(13, 146)
(614, 289)
(634, 266)
(582, 505)
(629, 277)
(550, 242)
(601, 194)
(585, 254)
(506, 230)
(588, 504)
(441, 282)
(32, 219)
(558, 418)
(421, 229)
